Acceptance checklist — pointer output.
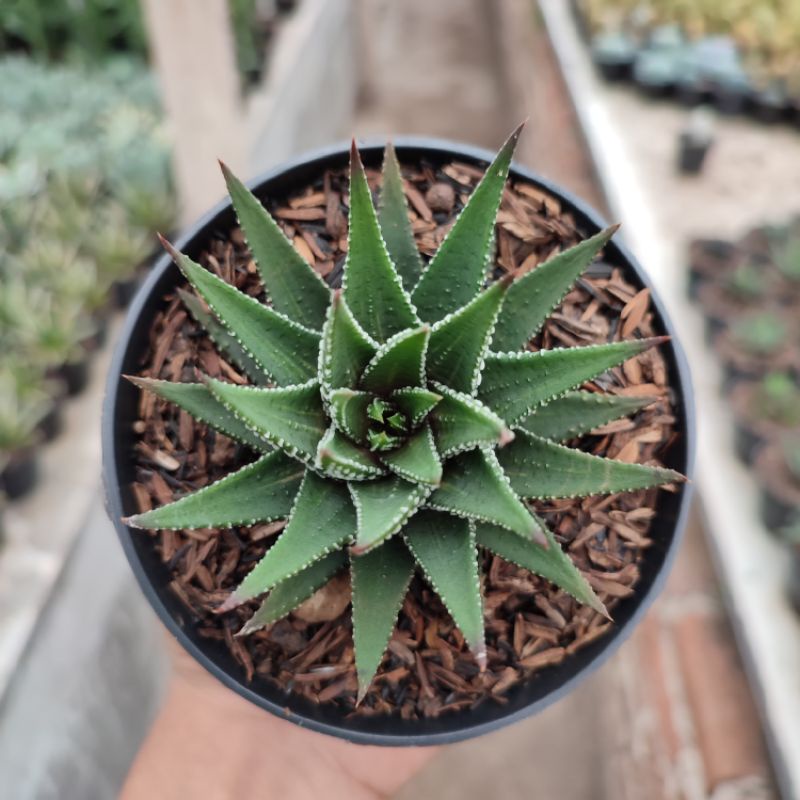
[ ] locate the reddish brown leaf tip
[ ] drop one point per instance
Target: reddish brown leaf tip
(517, 132)
(355, 158)
(506, 437)
(661, 339)
(539, 538)
(362, 693)
(600, 607)
(168, 246)
(480, 656)
(229, 604)
(247, 628)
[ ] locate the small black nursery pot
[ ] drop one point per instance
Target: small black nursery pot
(524, 699)
(21, 474)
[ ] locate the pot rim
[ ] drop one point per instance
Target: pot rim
(449, 728)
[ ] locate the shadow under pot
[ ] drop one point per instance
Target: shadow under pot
(20, 475)
(778, 469)
(764, 411)
(756, 345)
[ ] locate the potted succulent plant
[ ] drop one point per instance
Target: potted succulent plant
(21, 413)
(393, 438)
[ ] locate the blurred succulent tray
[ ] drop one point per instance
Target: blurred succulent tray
(751, 563)
(663, 61)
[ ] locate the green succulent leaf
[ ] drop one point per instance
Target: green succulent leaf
(260, 492)
(338, 457)
(541, 469)
(382, 508)
(345, 350)
(399, 362)
(285, 350)
(415, 403)
(348, 411)
(322, 520)
(295, 288)
(291, 418)
(459, 341)
(380, 581)
(197, 400)
(576, 413)
(533, 296)
(381, 441)
(226, 342)
(445, 550)
(460, 422)
(457, 271)
(474, 487)
(372, 287)
(551, 563)
(289, 594)
(394, 222)
(514, 384)
(417, 460)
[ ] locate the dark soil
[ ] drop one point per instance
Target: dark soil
(530, 624)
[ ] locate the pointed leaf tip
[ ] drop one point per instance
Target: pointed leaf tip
(168, 246)
(355, 157)
(228, 604)
(517, 132)
(479, 654)
(506, 437)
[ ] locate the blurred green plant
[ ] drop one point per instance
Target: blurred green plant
(21, 411)
(760, 334)
(765, 32)
(777, 399)
(84, 184)
(63, 29)
(746, 282)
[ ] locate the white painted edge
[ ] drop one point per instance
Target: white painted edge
(751, 563)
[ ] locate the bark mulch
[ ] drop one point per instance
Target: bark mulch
(530, 624)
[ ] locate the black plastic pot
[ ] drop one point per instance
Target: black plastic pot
(776, 513)
(123, 291)
(691, 154)
(120, 409)
(52, 422)
(75, 376)
(746, 442)
(20, 475)
(794, 578)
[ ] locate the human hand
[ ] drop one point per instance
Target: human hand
(208, 743)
